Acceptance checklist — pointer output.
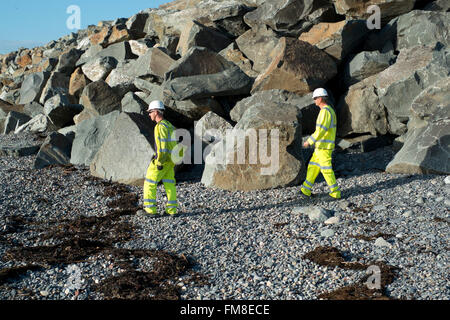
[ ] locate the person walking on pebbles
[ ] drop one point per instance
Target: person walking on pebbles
(161, 167)
(324, 141)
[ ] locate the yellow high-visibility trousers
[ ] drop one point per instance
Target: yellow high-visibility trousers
(321, 163)
(152, 179)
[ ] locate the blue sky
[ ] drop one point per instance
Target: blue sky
(31, 23)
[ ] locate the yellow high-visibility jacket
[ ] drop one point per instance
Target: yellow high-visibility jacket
(325, 135)
(165, 142)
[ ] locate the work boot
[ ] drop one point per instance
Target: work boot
(306, 192)
(148, 214)
(335, 194)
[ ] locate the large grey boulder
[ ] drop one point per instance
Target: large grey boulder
(305, 105)
(120, 81)
(433, 104)
(120, 51)
(32, 87)
(230, 82)
(415, 69)
(197, 35)
(297, 66)
(126, 152)
(90, 136)
(257, 44)
(381, 103)
(425, 151)
(438, 5)
(234, 164)
(60, 111)
(366, 64)
(154, 63)
(197, 61)
(338, 39)
(211, 128)
(290, 17)
(423, 28)
(197, 108)
(234, 55)
(55, 150)
(356, 9)
(33, 109)
(68, 60)
(99, 98)
(99, 68)
(132, 103)
(57, 83)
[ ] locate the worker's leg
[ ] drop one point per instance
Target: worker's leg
(169, 185)
(150, 187)
(311, 175)
(328, 173)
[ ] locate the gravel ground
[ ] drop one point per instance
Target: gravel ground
(249, 245)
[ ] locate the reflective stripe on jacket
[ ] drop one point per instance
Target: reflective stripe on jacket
(165, 142)
(325, 135)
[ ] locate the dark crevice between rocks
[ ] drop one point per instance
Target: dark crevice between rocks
(85, 237)
(332, 257)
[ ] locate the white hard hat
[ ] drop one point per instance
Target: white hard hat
(321, 92)
(156, 105)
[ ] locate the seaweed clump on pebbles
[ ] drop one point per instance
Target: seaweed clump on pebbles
(81, 238)
(332, 257)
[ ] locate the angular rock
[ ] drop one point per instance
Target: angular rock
(119, 33)
(381, 103)
(366, 64)
(141, 46)
(55, 150)
(415, 69)
(99, 98)
(290, 17)
(388, 8)
(90, 136)
(298, 67)
(232, 81)
(13, 120)
(431, 105)
(234, 55)
(120, 51)
(84, 115)
(68, 60)
(337, 39)
(233, 163)
(120, 81)
(305, 105)
(257, 45)
(155, 63)
(212, 128)
(59, 110)
(101, 37)
(32, 87)
(137, 22)
(360, 110)
(423, 28)
(197, 35)
(197, 61)
(33, 109)
(426, 151)
(39, 123)
(380, 242)
(89, 54)
(77, 83)
(132, 103)
(99, 68)
(57, 83)
(126, 152)
(195, 109)
(438, 5)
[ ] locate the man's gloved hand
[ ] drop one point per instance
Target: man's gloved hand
(160, 168)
